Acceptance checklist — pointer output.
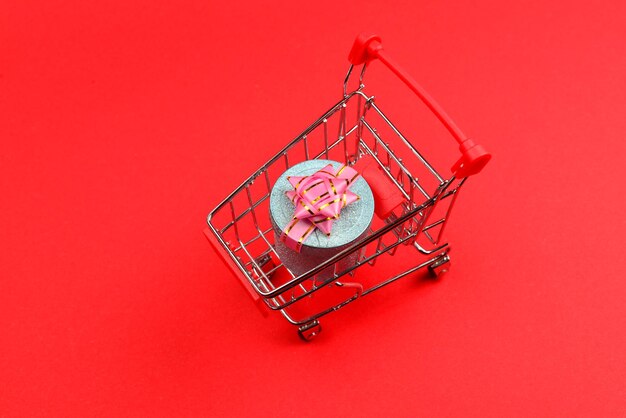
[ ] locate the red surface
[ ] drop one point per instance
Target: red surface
(115, 118)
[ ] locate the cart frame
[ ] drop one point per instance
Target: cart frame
(350, 130)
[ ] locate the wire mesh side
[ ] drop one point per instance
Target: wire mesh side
(242, 220)
(345, 133)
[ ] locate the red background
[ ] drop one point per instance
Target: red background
(116, 120)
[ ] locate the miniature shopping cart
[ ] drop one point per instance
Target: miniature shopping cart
(354, 132)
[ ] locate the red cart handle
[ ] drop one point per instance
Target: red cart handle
(474, 157)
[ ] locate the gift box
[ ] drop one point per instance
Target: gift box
(350, 224)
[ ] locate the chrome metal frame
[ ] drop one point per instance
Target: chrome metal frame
(240, 223)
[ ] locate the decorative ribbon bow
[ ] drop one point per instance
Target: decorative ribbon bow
(319, 199)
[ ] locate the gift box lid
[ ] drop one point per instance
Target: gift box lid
(353, 220)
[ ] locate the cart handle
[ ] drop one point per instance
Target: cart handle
(368, 47)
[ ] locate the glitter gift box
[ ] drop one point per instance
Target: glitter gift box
(352, 224)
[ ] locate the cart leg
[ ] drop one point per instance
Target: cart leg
(310, 330)
(439, 266)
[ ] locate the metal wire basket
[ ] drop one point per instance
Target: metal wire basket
(352, 131)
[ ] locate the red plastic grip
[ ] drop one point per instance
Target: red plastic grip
(231, 265)
(473, 159)
(360, 52)
(368, 47)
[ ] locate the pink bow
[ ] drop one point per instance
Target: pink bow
(319, 199)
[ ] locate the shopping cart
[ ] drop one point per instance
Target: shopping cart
(355, 132)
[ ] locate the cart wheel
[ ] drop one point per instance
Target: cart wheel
(309, 331)
(439, 267)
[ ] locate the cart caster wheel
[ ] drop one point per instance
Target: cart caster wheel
(439, 267)
(309, 331)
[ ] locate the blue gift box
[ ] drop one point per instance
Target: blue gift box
(352, 224)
